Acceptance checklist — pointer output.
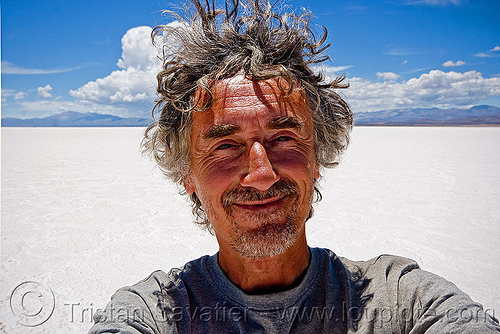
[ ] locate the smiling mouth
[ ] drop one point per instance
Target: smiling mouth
(261, 205)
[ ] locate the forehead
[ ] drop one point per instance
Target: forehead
(239, 99)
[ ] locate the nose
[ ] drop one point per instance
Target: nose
(260, 170)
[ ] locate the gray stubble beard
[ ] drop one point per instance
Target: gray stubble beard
(268, 239)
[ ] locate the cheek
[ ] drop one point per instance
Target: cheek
(300, 167)
(214, 172)
(212, 177)
(294, 162)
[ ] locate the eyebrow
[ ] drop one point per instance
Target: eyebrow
(285, 123)
(223, 130)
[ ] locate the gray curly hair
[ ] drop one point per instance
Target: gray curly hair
(246, 37)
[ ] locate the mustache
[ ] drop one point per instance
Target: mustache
(281, 188)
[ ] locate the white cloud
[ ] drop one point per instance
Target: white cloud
(417, 70)
(49, 107)
(135, 82)
(404, 51)
(436, 2)
(123, 86)
(7, 92)
(450, 63)
(20, 96)
(433, 89)
(488, 54)
(44, 92)
(483, 55)
(138, 51)
(388, 76)
(9, 68)
(128, 91)
(329, 70)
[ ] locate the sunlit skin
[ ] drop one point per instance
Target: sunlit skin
(251, 138)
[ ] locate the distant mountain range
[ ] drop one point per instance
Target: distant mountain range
(478, 115)
(475, 116)
(76, 119)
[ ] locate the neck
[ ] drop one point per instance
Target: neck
(269, 274)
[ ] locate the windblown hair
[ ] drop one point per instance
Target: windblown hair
(246, 37)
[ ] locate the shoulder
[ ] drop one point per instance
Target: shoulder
(167, 286)
(383, 267)
(387, 266)
(147, 305)
(395, 291)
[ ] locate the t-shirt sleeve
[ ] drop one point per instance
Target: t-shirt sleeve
(142, 308)
(429, 304)
(399, 297)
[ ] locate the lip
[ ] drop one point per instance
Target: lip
(258, 205)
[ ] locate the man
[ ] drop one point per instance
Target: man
(246, 127)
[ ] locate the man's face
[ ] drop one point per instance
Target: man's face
(253, 166)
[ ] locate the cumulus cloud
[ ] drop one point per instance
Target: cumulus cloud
(450, 63)
(138, 51)
(388, 76)
(44, 92)
(496, 48)
(124, 86)
(135, 81)
(20, 95)
(433, 89)
(131, 88)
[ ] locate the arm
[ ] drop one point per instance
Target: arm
(127, 313)
(146, 307)
(428, 303)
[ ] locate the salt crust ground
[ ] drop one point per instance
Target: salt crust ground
(85, 214)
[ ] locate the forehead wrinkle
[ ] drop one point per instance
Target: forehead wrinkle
(259, 93)
(249, 100)
(270, 101)
(234, 93)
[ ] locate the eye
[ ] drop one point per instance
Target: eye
(282, 141)
(283, 138)
(225, 146)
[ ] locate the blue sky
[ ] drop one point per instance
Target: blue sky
(94, 56)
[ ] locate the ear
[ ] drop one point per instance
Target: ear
(188, 184)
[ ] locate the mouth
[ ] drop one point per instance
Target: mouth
(262, 204)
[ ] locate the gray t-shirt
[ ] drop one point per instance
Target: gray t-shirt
(387, 294)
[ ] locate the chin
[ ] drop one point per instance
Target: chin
(268, 240)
